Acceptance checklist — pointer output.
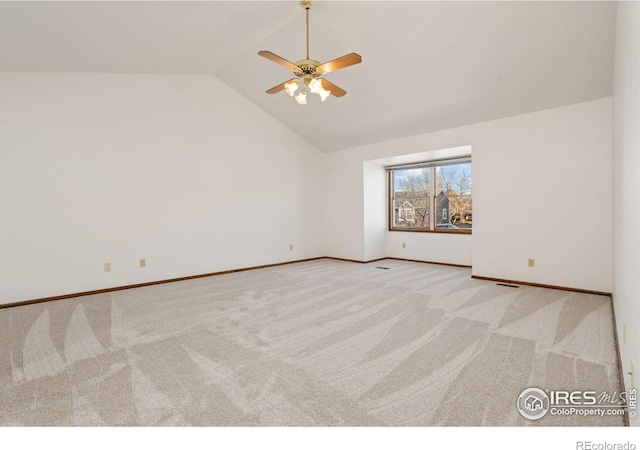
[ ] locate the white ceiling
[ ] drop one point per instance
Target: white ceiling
(426, 66)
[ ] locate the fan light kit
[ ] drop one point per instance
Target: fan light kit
(308, 71)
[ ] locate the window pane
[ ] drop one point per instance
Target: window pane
(411, 182)
(411, 198)
(453, 196)
(453, 179)
(454, 212)
(411, 212)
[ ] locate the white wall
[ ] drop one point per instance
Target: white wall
(375, 210)
(542, 189)
(626, 188)
(180, 170)
(184, 172)
(434, 247)
(343, 206)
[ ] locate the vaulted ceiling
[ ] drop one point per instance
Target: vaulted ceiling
(426, 66)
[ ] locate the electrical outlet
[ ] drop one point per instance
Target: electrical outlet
(531, 262)
(290, 246)
(107, 267)
(143, 262)
(404, 245)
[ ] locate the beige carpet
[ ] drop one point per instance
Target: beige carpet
(319, 343)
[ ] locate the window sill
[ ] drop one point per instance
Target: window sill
(442, 231)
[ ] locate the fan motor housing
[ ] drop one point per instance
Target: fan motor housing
(306, 67)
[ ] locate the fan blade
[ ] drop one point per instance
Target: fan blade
(280, 87)
(277, 59)
(340, 63)
(335, 90)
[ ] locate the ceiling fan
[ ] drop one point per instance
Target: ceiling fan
(308, 71)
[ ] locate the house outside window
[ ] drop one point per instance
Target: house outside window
(432, 196)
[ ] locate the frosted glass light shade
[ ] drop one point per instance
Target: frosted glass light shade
(291, 87)
(301, 98)
(323, 93)
(315, 86)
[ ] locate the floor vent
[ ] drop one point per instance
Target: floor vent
(507, 285)
(385, 268)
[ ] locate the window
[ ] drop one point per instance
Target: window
(431, 197)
